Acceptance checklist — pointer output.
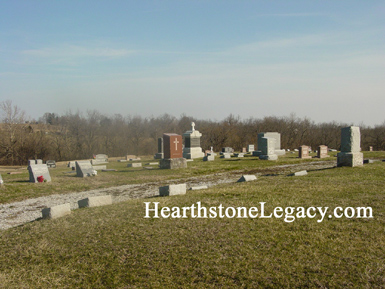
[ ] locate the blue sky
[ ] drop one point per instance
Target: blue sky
(321, 59)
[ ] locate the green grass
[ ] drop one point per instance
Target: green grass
(116, 247)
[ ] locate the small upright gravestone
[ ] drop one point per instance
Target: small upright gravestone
(250, 148)
(159, 154)
(267, 147)
(51, 163)
(322, 152)
(303, 152)
(1, 180)
(370, 148)
(38, 173)
(84, 169)
(350, 154)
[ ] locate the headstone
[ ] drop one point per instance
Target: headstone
(299, 174)
(322, 152)
(250, 148)
(350, 154)
(96, 201)
(192, 144)
(227, 150)
(208, 158)
(267, 147)
(134, 165)
(370, 148)
(1, 180)
(135, 159)
(39, 162)
(152, 164)
(31, 162)
(84, 169)
(173, 152)
(101, 157)
(198, 188)
(39, 173)
(172, 146)
(71, 164)
(274, 135)
(247, 178)
(51, 163)
(303, 152)
(225, 156)
(56, 211)
(130, 157)
(159, 154)
(172, 190)
(239, 155)
(368, 161)
(122, 161)
(244, 150)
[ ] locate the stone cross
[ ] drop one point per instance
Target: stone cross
(193, 126)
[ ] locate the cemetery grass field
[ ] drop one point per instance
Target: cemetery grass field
(116, 247)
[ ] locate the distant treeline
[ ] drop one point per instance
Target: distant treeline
(76, 136)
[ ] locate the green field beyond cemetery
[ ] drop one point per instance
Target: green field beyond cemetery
(116, 247)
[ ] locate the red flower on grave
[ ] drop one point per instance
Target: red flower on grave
(40, 179)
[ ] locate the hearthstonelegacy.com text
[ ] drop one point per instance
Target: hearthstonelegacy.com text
(289, 214)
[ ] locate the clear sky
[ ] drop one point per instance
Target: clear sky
(206, 59)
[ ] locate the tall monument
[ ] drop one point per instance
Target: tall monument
(192, 144)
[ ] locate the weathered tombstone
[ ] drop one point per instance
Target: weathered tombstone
(198, 188)
(299, 174)
(267, 147)
(244, 150)
(250, 148)
(39, 161)
(370, 148)
(303, 152)
(96, 201)
(99, 159)
(227, 150)
(38, 173)
(192, 144)
(277, 145)
(239, 155)
(172, 190)
(51, 163)
(173, 152)
(99, 168)
(225, 156)
(56, 211)
(72, 164)
(350, 154)
(247, 178)
(322, 152)
(31, 162)
(84, 169)
(1, 180)
(159, 154)
(208, 158)
(134, 165)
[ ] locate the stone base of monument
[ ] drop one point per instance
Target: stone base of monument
(347, 159)
(180, 163)
(280, 152)
(257, 153)
(193, 153)
(268, 157)
(158, 156)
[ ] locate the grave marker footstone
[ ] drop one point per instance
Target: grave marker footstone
(56, 211)
(172, 190)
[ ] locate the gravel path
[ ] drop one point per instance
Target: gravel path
(18, 213)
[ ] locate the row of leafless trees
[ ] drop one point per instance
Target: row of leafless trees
(78, 136)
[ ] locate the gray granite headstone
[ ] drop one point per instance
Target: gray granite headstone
(84, 169)
(51, 163)
(38, 170)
